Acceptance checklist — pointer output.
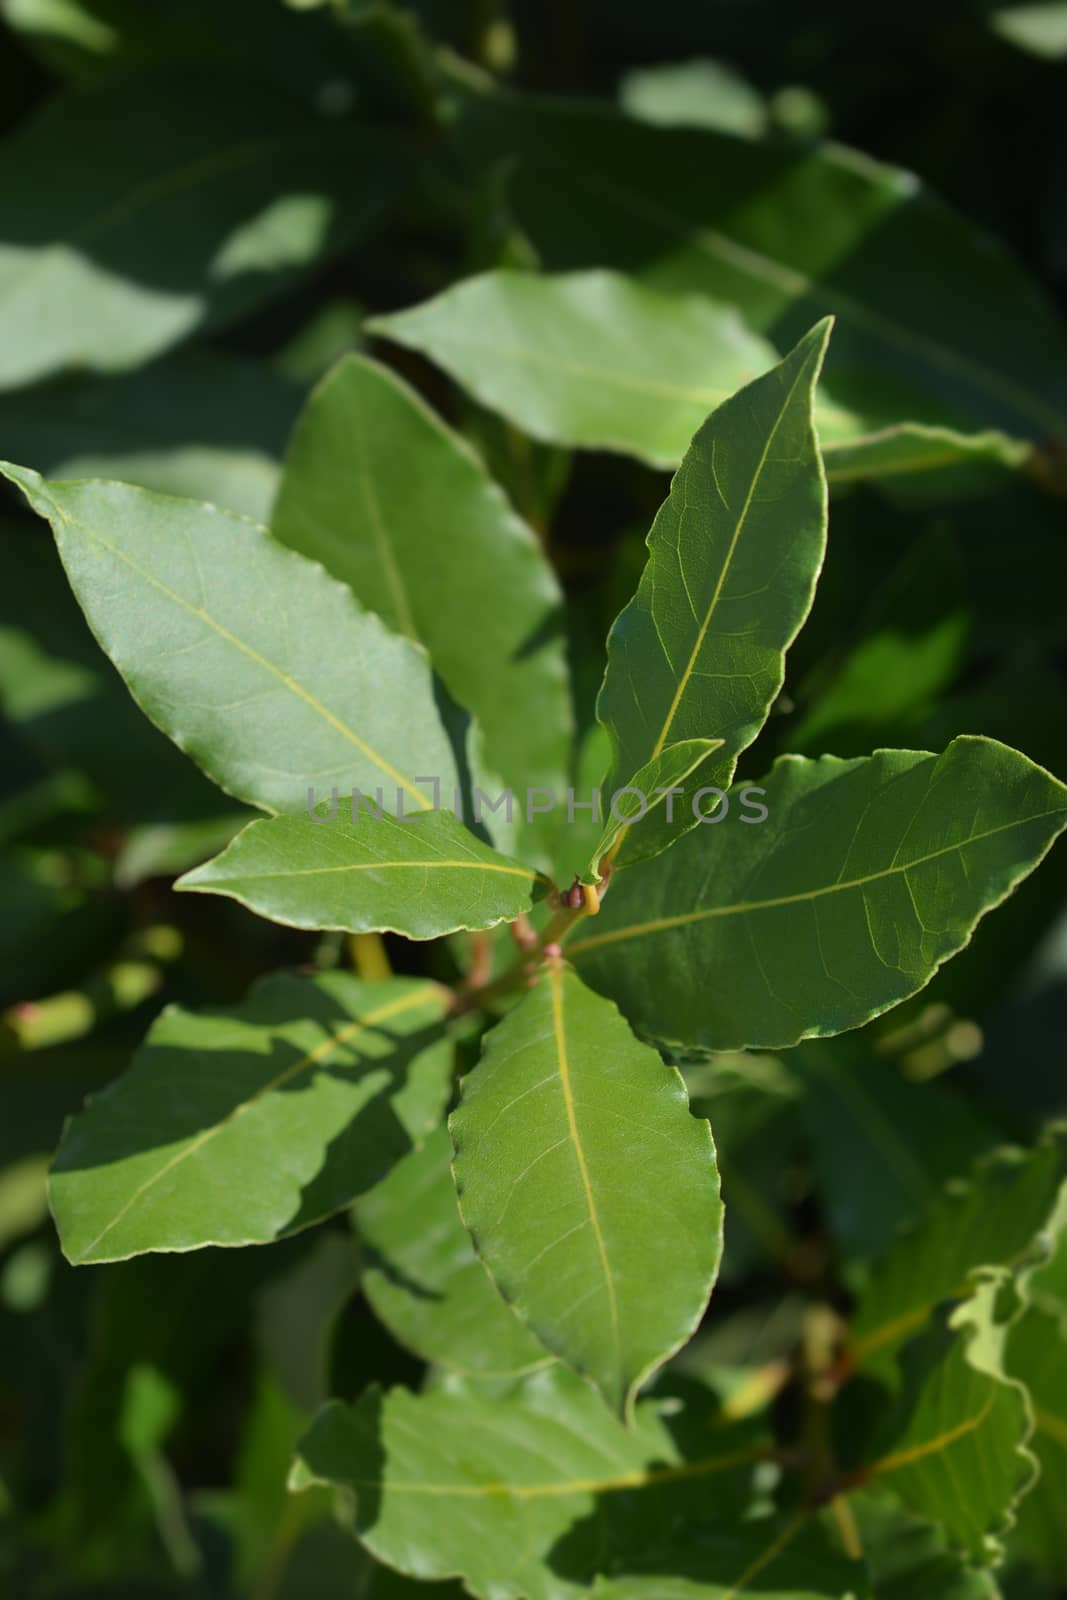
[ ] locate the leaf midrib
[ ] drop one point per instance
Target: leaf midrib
(743, 908)
(380, 866)
(637, 1479)
(702, 632)
(284, 678)
(555, 979)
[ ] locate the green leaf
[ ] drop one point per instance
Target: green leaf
(1039, 28)
(398, 507)
(196, 424)
(576, 1158)
(235, 1126)
(1036, 1354)
(647, 804)
(907, 1556)
(425, 1282)
(524, 1495)
(423, 876)
(258, 665)
(918, 294)
(605, 362)
(734, 554)
(862, 879)
(699, 93)
(883, 1145)
(993, 1220)
(775, 1558)
(228, 192)
(954, 1447)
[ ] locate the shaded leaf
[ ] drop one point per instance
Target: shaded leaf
(907, 1556)
(883, 1145)
(917, 292)
(196, 424)
(232, 1127)
(423, 876)
(954, 1448)
(863, 878)
(255, 662)
(423, 1279)
(397, 506)
(227, 193)
(775, 1557)
(1036, 1354)
(576, 1155)
(523, 1495)
(995, 1219)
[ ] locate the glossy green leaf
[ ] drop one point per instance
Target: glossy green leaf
(425, 1282)
(734, 553)
(995, 1219)
(423, 876)
(576, 1156)
(228, 192)
(955, 1447)
(605, 362)
(196, 424)
(640, 817)
(256, 663)
(233, 1127)
(862, 879)
(523, 1495)
(398, 507)
(788, 233)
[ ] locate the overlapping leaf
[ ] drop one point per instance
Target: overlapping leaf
(232, 1127)
(995, 1219)
(523, 1495)
(778, 1558)
(576, 1156)
(422, 876)
(195, 424)
(932, 341)
(228, 190)
(397, 506)
(645, 815)
(604, 362)
(1036, 1354)
(864, 877)
(256, 662)
(954, 1448)
(425, 1282)
(734, 553)
(907, 1556)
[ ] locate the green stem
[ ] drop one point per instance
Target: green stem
(519, 975)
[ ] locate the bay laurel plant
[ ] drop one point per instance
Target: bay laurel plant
(376, 674)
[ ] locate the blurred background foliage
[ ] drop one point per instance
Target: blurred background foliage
(148, 1409)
